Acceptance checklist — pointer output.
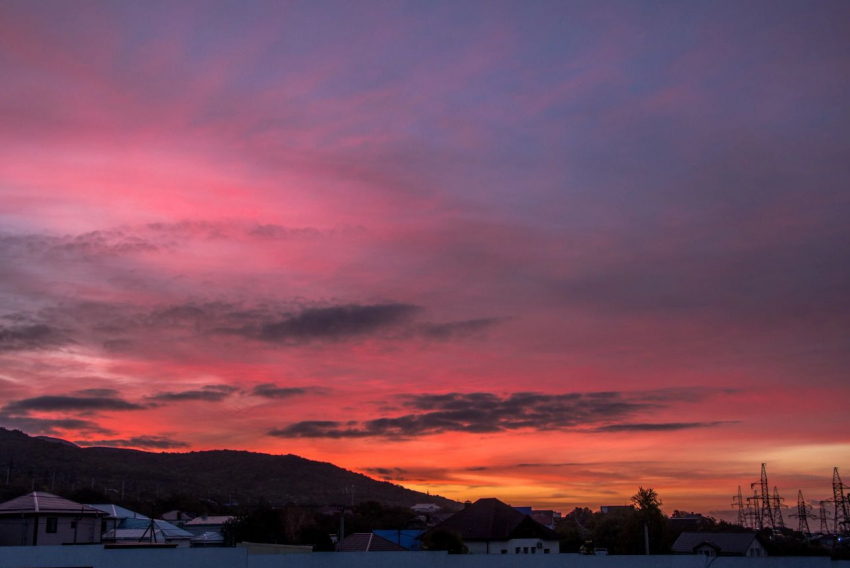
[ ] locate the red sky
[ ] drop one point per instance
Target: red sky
(546, 252)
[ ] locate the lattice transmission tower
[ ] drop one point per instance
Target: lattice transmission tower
(763, 502)
(841, 519)
(803, 514)
(738, 503)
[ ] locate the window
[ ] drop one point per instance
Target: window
(504, 551)
(545, 551)
(73, 524)
(52, 524)
(525, 550)
(518, 549)
(534, 550)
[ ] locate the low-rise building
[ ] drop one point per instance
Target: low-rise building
(490, 526)
(720, 544)
(368, 542)
(40, 518)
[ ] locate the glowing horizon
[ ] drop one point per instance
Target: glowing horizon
(545, 253)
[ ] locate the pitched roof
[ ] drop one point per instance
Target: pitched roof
(490, 519)
(726, 543)
(203, 521)
(118, 512)
(177, 515)
(368, 542)
(41, 502)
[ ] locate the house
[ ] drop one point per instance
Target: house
(490, 526)
(720, 544)
(207, 530)
(425, 508)
(40, 518)
(205, 523)
(368, 542)
(177, 518)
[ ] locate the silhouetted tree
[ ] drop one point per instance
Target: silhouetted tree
(444, 539)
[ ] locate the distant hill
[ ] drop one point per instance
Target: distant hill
(219, 476)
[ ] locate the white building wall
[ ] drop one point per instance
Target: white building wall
(20, 531)
(525, 546)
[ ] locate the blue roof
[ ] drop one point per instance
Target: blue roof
(405, 539)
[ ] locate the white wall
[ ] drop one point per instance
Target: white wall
(97, 557)
(496, 546)
(16, 531)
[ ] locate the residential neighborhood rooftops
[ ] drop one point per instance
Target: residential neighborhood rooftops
(211, 520)
(725, 543)
(41, 502)
(368, 542)
(491, 519)
(117, 511)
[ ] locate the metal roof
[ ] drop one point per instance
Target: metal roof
(209, 520)
(118, 512)
(41, 502)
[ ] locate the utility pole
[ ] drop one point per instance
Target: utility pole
(841, 519)
(646, 537)
(122, 489)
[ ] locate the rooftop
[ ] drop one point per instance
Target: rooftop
(491, 519)
(726, 543)
(368, 542)
(41, 502)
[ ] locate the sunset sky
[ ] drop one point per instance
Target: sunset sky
(539, 251)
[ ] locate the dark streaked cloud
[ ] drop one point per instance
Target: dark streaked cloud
(146, 442)
(337, 322)
(658, 427)
(51, 426)
(98, 392)
(271, 390)
(484, 413)
(207, 393)
(30, 337)
(93, 245)
(64, 403)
